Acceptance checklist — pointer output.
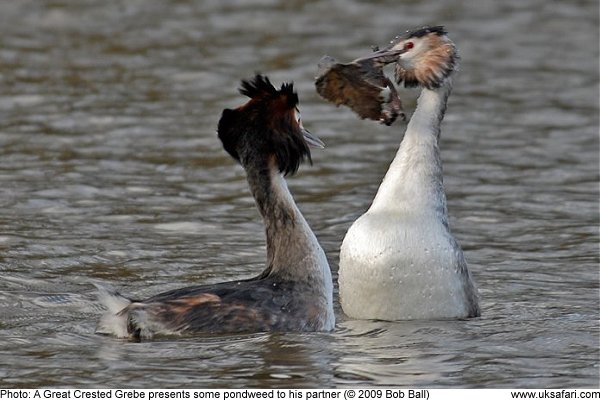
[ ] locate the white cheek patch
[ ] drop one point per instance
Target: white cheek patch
(298, 117)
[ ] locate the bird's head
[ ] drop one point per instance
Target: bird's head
(424, 57)
(267, 127)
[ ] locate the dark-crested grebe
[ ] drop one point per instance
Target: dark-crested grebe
(294, 292)
(399, 260)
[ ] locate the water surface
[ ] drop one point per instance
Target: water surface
(111, 171)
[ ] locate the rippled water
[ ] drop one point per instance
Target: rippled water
(110, 170)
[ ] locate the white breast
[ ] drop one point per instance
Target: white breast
(398, 267)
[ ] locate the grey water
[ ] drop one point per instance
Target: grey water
(111, 171)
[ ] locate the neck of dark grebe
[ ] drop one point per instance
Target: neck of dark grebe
(293, 251)
(414, 182)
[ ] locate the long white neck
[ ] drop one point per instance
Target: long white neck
(293, 251)
(414, 181)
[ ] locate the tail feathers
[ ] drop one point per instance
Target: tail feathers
(114, 320)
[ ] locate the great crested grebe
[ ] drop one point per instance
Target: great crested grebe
(294, 292)
(399, 260)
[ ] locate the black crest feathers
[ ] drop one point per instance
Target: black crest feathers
(265, 127)
(261, 88)
(420, 32)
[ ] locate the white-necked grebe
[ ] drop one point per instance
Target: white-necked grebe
(399, 260)
(294, 292)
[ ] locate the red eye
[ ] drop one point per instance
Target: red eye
(408, 45)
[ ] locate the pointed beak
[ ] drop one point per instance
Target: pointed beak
(385, 56)
(312, 140)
